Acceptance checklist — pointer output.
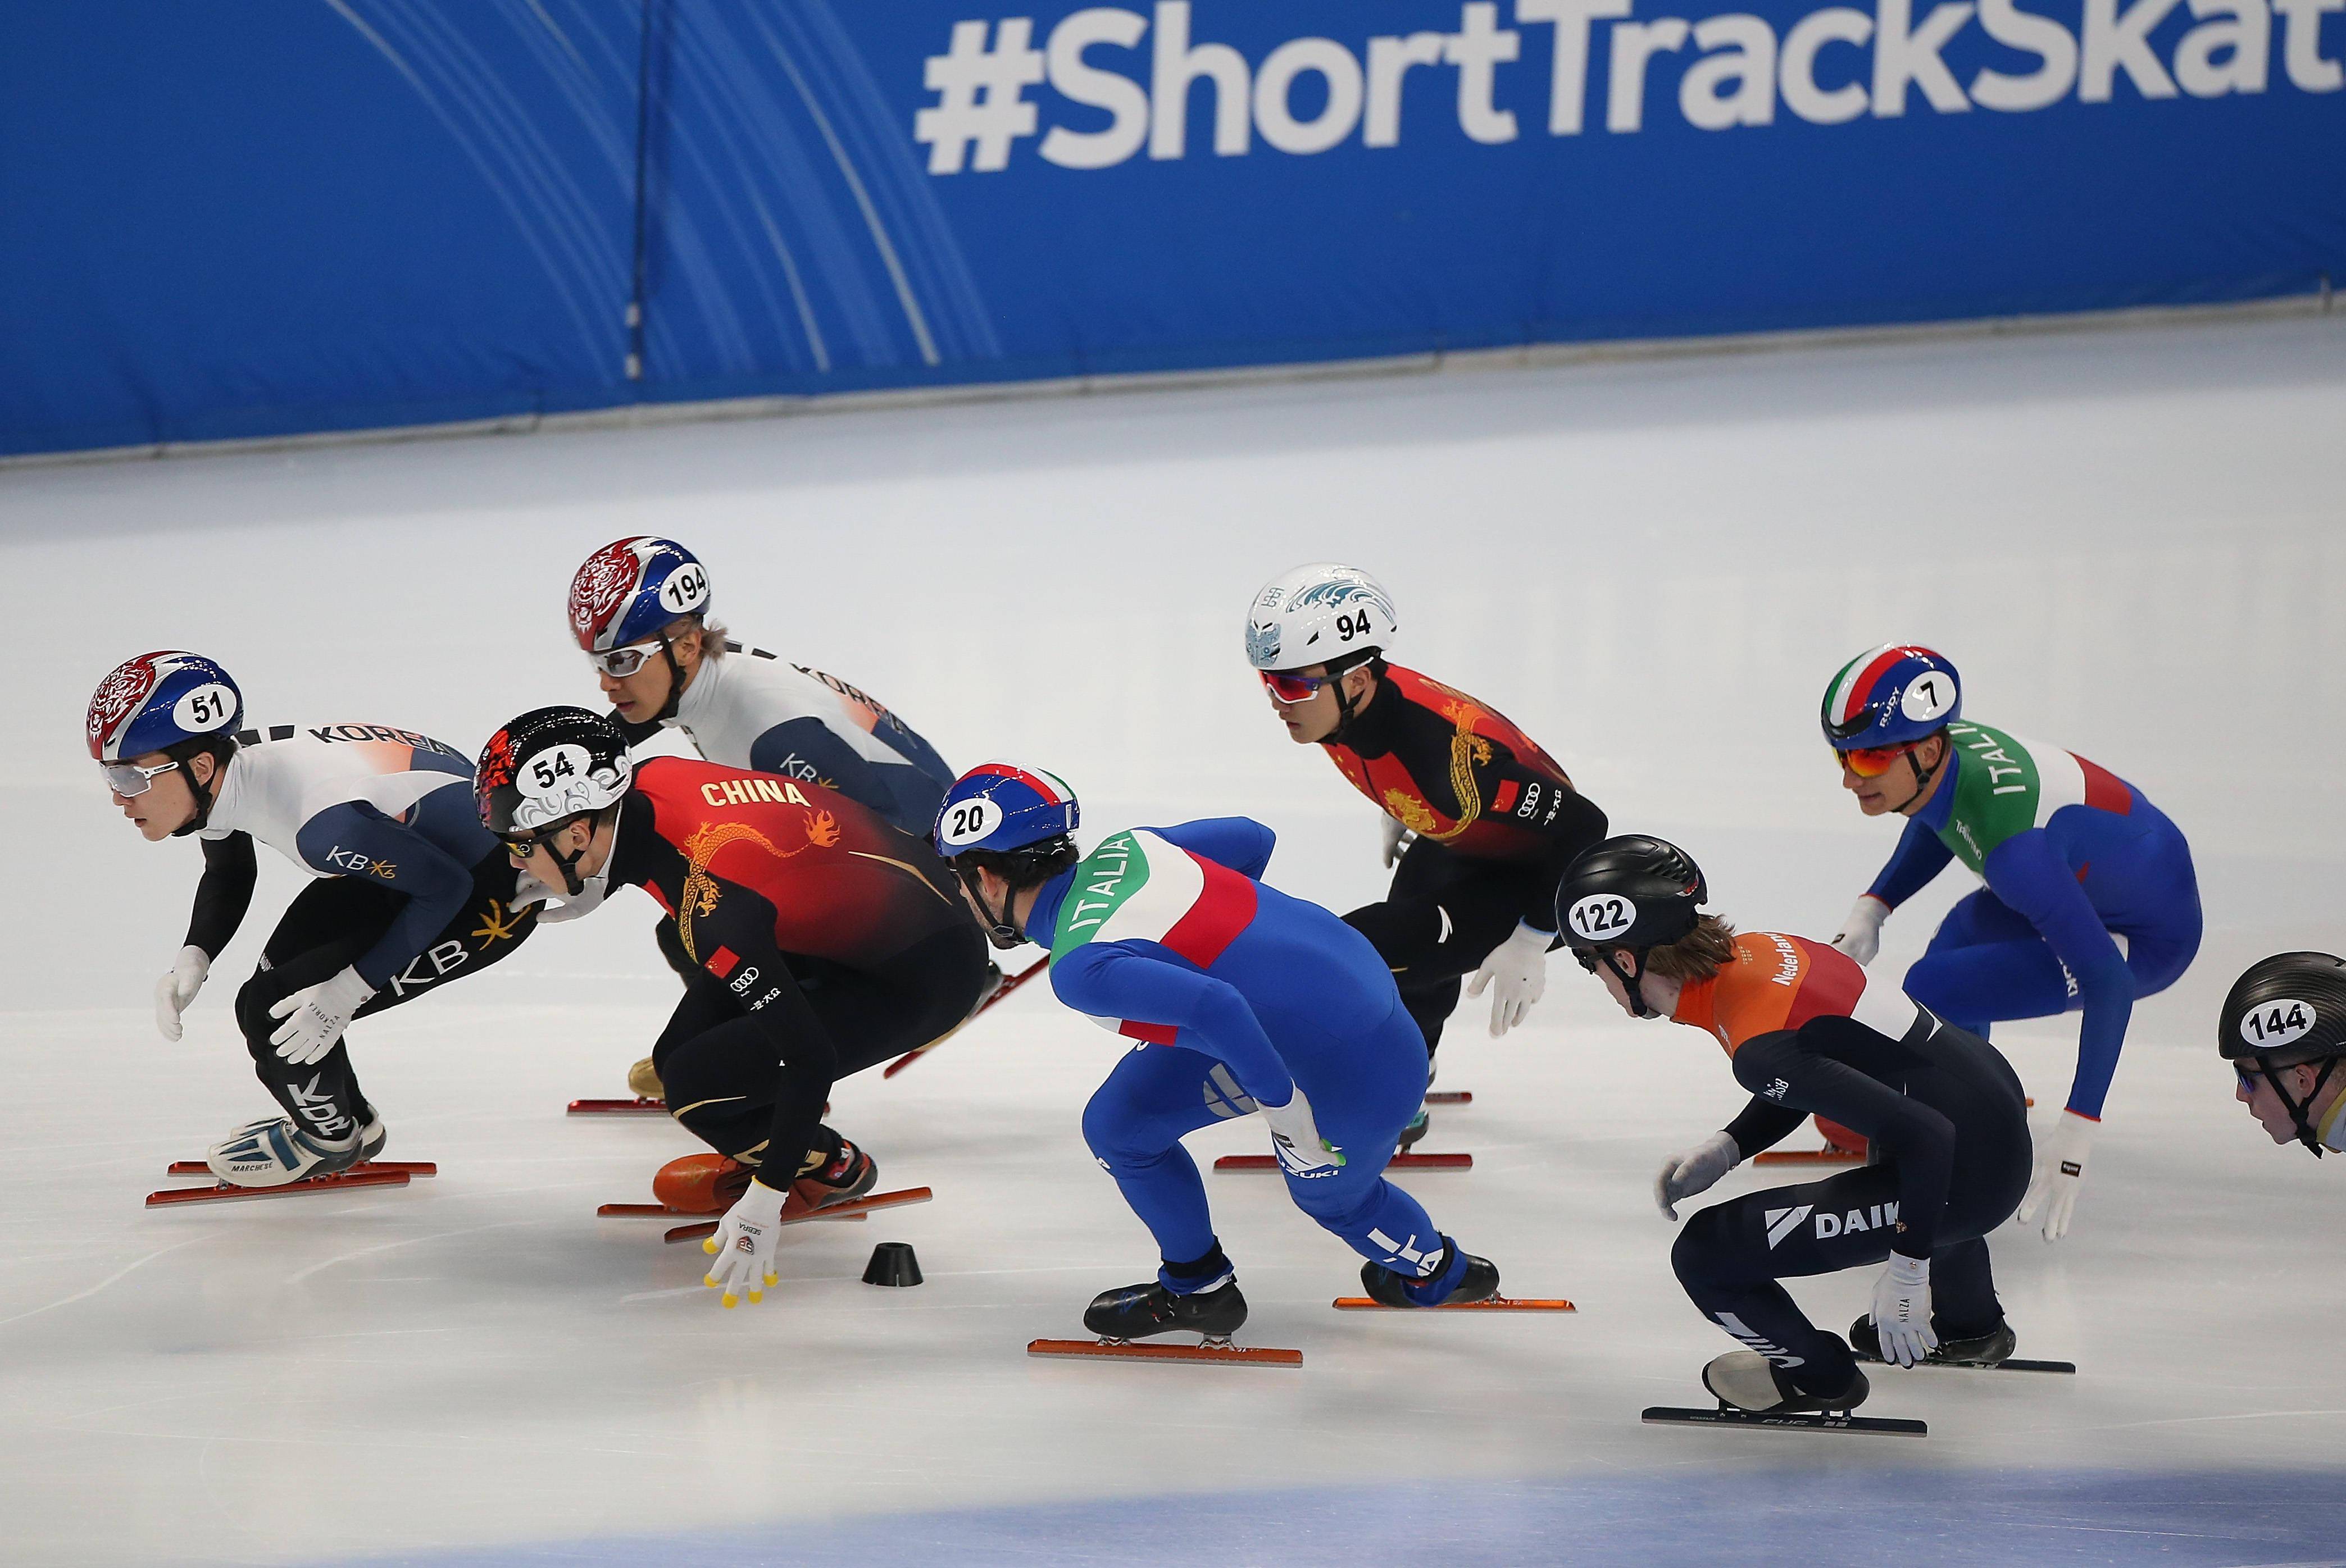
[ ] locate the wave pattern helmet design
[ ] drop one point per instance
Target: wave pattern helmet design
(546, 766)
(1891, 695)
(630, 588)
(1322, 613)
(157, 700)
(1003, 807)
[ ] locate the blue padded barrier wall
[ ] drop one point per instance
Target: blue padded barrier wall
(246, 219)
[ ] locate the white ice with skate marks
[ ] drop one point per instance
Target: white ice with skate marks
(2139, 512)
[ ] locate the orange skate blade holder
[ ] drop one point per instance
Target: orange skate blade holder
(1210, 1353)
(1398, 1163)
(1495, 1304)
(1450, 1098)
(638, 1106)
(225, 1192)
(854, 1209)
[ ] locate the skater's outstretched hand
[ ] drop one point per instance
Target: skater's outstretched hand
(744, 1246)
(1295, 1138)
(178, 987)
(1697, 1170)
(2060, 1172)
(1518, 967)
(1860, 934)
(1397, 838)
(316, 1015)
(1902, 1310)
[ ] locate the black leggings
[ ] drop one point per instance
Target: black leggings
(1730, 1255)
(330, 923)
(1438, 922)
(727, 1082)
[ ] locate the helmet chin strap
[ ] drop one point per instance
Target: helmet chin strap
(202, 793)
(998, 927)
(675, 683)
(1634, 984)
(2300, 1112)
(1345, 710)
(1922, 777)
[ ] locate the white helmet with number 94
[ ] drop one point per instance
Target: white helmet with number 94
(1322, 613)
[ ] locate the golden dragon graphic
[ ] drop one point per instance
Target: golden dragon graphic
(701, 891)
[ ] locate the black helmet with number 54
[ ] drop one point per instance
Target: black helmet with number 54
(545, 768)
(2288, 1011)
(1631, 892)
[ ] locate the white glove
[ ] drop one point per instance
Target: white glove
(1397, 838)
(1295, 1138)
(559, 905)
(1697, 1170)
(1860, 934)
(744, 1246)
(1902, 1310)
(315, 1016)
(1520, 966)
(178, 987)
(2060, 1172)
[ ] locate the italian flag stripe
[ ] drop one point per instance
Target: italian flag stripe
(1138, 887)
(1858, 679)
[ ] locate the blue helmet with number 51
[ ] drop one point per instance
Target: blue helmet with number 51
(159, 700)
(1323, 613)
(1894, 695)
(1004, 808)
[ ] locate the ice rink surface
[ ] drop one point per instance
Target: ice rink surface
(2130, 543)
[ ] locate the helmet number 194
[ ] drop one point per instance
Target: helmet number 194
(1602, 915)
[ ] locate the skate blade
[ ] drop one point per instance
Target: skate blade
(1398, 1163)
(1495, 1304)
(222, 1192)
(412, 1167)
(1806, 1421)
(2009, 1364)
(854, 1209)
(635, 1107)
(1826, 1156)
(1451, 1097)
(1009, 984)
(1227, 1355)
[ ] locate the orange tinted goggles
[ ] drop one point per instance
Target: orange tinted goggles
(1871, 761)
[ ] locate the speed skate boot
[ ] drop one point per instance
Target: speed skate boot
(1461, 1277)
(1138, 1311)
(643, 1081)
(1989, 1350)
(846, 1176)
(1747, 1381)
(1415, 1131)
(275, 1152)
(701, 1184)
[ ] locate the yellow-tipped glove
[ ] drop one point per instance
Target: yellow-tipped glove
(744, 1246)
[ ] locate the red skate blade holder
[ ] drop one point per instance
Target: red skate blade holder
(387, 1174)
(1208, 1354)
(854, 1209)
(1398, 1163)
(638, 1106)
(1450, 1098)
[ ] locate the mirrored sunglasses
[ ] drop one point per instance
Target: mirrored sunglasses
(1871, 761)
(621, 663)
